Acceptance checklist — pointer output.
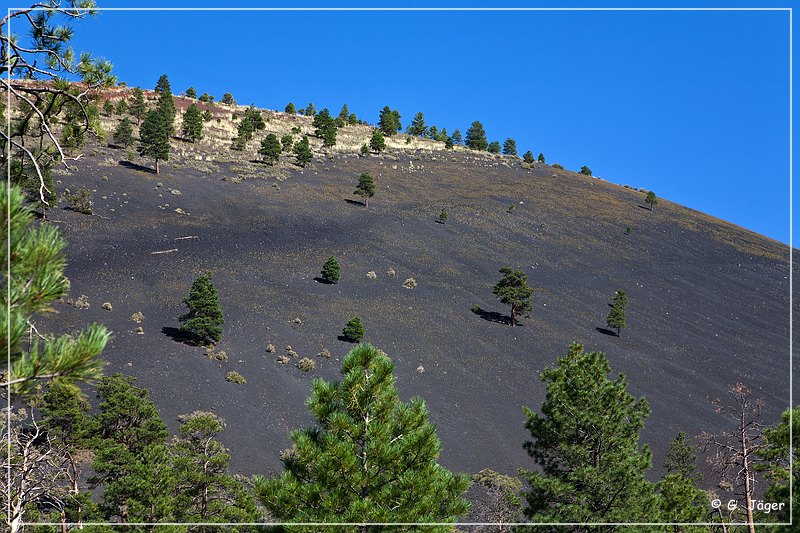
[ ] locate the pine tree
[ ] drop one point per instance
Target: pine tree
(228, 99)
(192, 127)
(321, 120)
(383, 452)
(123, 134)
(205, 491)
(418, 126)
(476, 137)
(586, 171)
(389, 121)
(286, 142)
(616, 317)
(166, 104)
(456, 136)
(377, 143)
(494, 147)
(510, 147)
(191, 93)
(541, 158)
(354, 330)
(302, 151)
(204, 319)
(36, 280)
(513, 290)
(433, 132)
(344, 114)
(154, 138)
(528, 157)
(331, 270)
(651, 199)
(586, 442)
(206, 98)
(290, 109)
(777, 454)
(448, 143)
(132, 461)
(108, 108)
(138, 107)
(329, 135)
(310, 110)
(443, 216)
(270, 149)
(122, 106)
(207, 115)
(365, 187)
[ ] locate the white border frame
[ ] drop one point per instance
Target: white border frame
(431, 524)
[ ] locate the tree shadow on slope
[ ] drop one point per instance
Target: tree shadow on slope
(606, 331)
(354, 202)
(137, 167)
(494, 316)
(181, 336)
(323, 281)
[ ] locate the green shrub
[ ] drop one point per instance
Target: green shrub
(476, 309)
(235, 377)
(305, 364)
(354, 330)
(558, 166)
(331, 270)
(80, 200)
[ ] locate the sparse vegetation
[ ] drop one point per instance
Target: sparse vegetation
(80, 200)
(616, 317)
(443, 216)
(123, 134)
(410, 283)
(651, 200)
(192, 127)
(305, 364)
(377, 143)
(586, 171)
(270, 149)
(302, 152)
(234, 377)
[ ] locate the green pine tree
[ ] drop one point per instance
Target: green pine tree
(586, 443)
(205, 491)
(108, 108)
(370, 458)
(192, 127)
(331, 270)
(513, 290)
(494, 147)
(476, 137)
(270, 149)
(191, 93)
(228, 99)
(166, 103)
(365, 187)
(389, 121)
(541, 158)
(344, 114)
(586, 171)
(36, 281)
(122, 106)
(302, 151)
(132, 461)
(354, 330)
(290, 109)
(528, 157)
(138, 107)
(286, 142)
(204, 319)
(616, 317)
(377, 143)
(123, 134)
(418, 126)
(510, 147)
(651, 199)
(154, 138)
(777, 454)
(456, 136)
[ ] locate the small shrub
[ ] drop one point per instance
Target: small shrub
(628, 230)
(282, 359)
(326, 353)
(364, 149)
(354, 330)
(476, 309)
(372, 275)
(558, 166)
(106, 306)
(443, 215)
(410, 283)
(221, 355)
(81, 303)
(270, 348)
(390, 272)
(511, 208)
(81, 201)
(235, 377)
(305, 364)
(331, 270)
(137, 317)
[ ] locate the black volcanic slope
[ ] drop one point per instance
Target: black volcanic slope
(709, 302)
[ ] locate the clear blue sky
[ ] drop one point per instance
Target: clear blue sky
(693, 105)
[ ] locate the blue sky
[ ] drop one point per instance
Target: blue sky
(691, 104)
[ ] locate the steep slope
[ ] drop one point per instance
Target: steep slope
(709, 302)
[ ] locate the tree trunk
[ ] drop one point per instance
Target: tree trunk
(158, 170)
(513, 315)
(746, 471)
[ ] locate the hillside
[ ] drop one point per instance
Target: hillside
(708, 300)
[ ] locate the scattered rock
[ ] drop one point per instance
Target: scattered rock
(390, 272)
(372, 275)
(104, 178)
(175, 192)
(137, 317)
(297, 320)
(106, 306)
(140, 330)
(159, 184)
(420, 369)
(410, 283)
(180, 211)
